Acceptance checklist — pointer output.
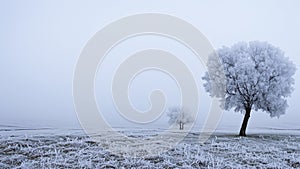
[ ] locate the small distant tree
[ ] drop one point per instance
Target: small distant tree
(257, 77)
(179, 116)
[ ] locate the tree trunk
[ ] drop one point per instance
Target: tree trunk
(180, 126)
(245, 122)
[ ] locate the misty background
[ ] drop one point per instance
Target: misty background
(41, 41)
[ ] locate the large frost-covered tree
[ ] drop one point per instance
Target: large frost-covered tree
(256, 76)
(179, 116)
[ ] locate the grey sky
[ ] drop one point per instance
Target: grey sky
(41, 41)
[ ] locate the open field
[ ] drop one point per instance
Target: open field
(37, 150)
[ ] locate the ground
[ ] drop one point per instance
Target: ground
(219, 151)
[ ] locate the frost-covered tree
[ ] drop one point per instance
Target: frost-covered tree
(257, 77)
(179, 116)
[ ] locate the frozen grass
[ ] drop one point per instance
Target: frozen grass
(220, 151)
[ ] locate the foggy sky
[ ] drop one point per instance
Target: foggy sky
(41, 41)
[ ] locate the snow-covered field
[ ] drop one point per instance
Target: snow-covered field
(47, 148)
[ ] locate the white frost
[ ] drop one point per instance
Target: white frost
(257, 76)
